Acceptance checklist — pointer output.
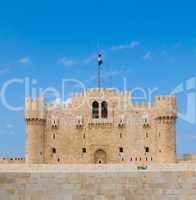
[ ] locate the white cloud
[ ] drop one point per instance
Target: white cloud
(67, 61)
(148, 55)
(4, 71)
(72, 62)
(112, 73)
(10, 126)
(131, 45)
(107, 75)
(89, 59)
(24, 60)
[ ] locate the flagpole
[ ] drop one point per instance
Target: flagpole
(98, 76)
(98, 69)
(99, 63)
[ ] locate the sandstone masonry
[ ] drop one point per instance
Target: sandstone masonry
(101, 126)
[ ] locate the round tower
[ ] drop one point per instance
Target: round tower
(35, 125)
(165, 120)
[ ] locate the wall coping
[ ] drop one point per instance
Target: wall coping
(88, 168)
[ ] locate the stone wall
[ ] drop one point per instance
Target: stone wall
(97, 182)
(12, 160)
(191, 158)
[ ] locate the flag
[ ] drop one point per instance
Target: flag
(99, 59)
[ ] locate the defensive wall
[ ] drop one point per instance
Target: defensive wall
(97, 182)
(12, 160)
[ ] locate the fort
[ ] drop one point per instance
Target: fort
(99, 146)
(101, 126)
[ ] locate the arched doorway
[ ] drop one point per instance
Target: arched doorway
(100, 157)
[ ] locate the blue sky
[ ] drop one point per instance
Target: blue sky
(151, 43)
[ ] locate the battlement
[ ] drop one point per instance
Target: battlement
(78, 99)
(165, 107)
(165, 100)
(35, 108)
(101, 90)
(107, 91)
(12, 160)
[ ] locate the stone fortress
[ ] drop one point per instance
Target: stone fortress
(100, 146)
(101, 126)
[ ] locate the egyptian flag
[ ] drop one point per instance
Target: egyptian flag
(99, 59)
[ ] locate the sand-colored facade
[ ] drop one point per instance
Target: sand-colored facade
(101, 126)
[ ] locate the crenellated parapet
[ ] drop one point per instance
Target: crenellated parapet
(118, 99)
(165, 108)
(12, 160)
(35, 109)
(107, 92)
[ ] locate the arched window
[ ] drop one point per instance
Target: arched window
(53, 150)
(95, 110)
(104, 109)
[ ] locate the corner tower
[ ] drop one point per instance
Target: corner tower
(165, 118)
(35, 118)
